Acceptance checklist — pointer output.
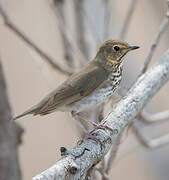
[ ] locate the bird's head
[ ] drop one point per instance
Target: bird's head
(113, 50)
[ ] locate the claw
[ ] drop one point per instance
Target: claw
(104, 127)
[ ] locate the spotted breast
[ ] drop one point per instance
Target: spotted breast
(98, 96)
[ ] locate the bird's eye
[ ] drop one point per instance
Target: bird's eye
(116, 48)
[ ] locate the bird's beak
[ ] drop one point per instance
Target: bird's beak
(134, 47)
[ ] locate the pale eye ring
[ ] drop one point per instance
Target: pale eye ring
(116, 48)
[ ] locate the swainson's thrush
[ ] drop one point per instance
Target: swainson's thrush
(95, 83)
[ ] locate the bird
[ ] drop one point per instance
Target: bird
(89, 87)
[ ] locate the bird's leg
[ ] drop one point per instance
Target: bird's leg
(79, 116)
(96, 126)
(104, 127)
(81, 124)
(88, 135)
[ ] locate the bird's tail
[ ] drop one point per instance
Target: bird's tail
(29, 111)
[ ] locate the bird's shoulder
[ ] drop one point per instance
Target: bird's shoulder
(85, 80)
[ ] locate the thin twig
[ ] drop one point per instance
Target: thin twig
(107, 16)
(59, 5)
(113, 154)
(20, 34)
(80, 28)
(90, 174)
(44, 69)
(128, 19)
(162, 29)
(108, 161)
(122, 91)
(156, 117)
(72, 41)
(149, 143)
(156, 41)
(92, 27)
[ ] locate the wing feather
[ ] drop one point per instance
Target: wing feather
(77, 86)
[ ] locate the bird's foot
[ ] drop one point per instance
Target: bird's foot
(90, 135)
(93, 124)
(83, 122)
(93, 137)
(104, 127)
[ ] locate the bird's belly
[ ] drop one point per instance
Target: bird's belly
(95, 98)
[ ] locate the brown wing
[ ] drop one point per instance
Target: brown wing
(77, 86)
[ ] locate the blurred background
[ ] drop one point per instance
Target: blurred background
(30, 78)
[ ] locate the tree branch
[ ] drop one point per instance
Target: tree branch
(161, 31)
(10, 137)
(128, 19)
(19, 33)
(147, 142)
(91, 27)
(60, 8)
(154, 118)
(156, 41)
(107, 18)
(75, 162)
(80, 27)
(76, 50)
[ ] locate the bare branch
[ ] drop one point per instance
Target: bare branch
(128, 19)
(67, 47)
(146, 142)
(90, 174)
(43, 67)
(92, 27)
(155, 118)
(109, 158)
(72, 41)
(113, 154)
(145, 117)
(107, 17)
(163, 27)
(19, 33)
(156, 41)
(10, 137)
(78, 160)
(80, 28)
